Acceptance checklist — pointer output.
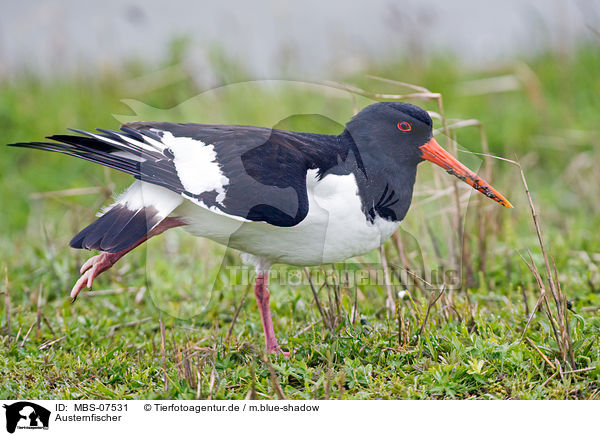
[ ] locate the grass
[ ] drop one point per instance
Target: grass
(185, 324)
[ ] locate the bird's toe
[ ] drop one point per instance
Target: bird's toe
(91, 275)
(79, 285)
(88, 264)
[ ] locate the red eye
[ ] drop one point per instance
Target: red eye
(404, 126)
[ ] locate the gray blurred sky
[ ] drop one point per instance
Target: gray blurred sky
(315, 38)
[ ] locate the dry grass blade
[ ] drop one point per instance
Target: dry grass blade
(407, 267)
(48, 324)
(397, 82)
(331, 309)
(317, 301)
(390, 303)
(128, 324)
(274, 379)
(354, 313)
(307, 328)
(235, 316)
(432, 300)
(531, 315)
(543, 356)
(50, 343)
(561, 329)
(574, 371)
(211, 381)
(163, 350)
(550, 378)
(38, 314)
(539, 235)
(327, 387)
(18, 334)
(27, 334)
(564, 341)
(252, 392)
(543, 295)
(7, 304)
(198, 384)
(378, 96)
(566, 332)
(458, 125)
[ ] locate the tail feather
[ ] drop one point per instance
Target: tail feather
(144, 205)
(136, 152)
(84, 148)
(117, 230)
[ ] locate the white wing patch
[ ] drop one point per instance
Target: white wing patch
(196, 165)
(142, 194)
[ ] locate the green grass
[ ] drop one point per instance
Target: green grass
(110, 346)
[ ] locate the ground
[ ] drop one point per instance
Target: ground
(178, 320)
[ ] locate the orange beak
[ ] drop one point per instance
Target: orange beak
(436, 154)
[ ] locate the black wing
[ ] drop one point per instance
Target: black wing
(262, 172)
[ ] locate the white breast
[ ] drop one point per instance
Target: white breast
(334, 229)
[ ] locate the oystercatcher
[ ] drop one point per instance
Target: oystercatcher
(277, 196)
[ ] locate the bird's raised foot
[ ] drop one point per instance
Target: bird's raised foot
(91, 269)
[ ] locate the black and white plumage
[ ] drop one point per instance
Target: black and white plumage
(279, 196)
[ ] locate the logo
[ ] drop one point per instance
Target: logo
(26, 415)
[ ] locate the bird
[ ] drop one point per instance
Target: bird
(276, 196)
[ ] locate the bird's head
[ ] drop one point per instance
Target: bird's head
(404, 132)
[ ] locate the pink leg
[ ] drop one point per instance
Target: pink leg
(262, 299)
(98, 264)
